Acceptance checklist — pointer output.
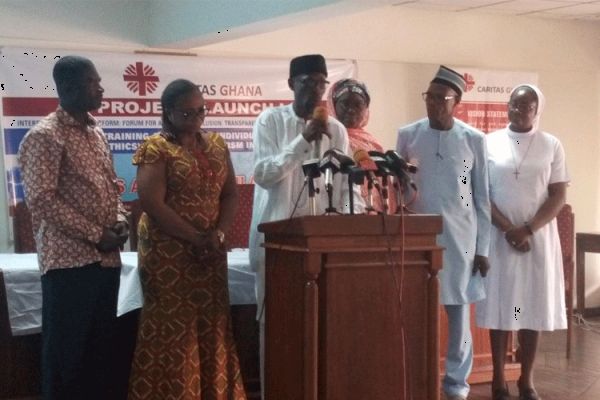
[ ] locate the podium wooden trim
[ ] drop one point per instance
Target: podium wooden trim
(352, 307)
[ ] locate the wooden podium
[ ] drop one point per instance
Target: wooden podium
(352, 307)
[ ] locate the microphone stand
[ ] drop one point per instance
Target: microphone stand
(351, 194)
(356, 176)
(312, 201)
(385, 201)
(401, 186)
(311, 171)
(369, 200)
(330, 209)
(399, 194)
(329, 190)
(329, 165)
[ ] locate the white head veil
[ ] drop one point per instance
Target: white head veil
(540, 103)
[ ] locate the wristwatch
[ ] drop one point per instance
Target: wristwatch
(221, 236)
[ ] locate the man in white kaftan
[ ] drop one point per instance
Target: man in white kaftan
(284, 137)
(453, 182)
(279, 151)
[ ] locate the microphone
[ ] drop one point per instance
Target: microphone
(364, 161)
(345, 161)
(381, 163)
(383, 170)
(319, 114)
(311, 168)
(329, 165)
(333, 161)
(401, 168)
(397, 164)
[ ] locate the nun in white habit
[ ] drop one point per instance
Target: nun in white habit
(524, 287)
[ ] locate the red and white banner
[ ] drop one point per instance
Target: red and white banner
(484, 103)
(236, 90)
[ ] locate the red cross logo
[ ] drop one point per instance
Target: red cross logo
(469, 80)
(141, 78)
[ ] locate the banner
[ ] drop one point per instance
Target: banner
(484, 103)
(236, 90)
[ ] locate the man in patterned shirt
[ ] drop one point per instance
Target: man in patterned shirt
(79, 224)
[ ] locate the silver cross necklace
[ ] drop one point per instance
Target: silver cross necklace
(512, 152)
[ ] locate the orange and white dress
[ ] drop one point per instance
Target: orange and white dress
(185, 348)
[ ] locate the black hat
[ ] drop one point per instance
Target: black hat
(448, 77)
(308, 64)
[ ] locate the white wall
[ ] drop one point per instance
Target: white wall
(397, 53)
(71, 24)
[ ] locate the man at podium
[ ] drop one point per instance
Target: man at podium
(284, 138)
(453, 182)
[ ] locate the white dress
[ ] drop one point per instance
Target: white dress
(524, 290)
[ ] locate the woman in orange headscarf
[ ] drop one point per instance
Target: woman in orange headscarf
(348, 101)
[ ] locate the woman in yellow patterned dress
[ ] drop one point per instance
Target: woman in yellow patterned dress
(186, 186)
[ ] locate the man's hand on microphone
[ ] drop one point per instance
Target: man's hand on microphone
(315, 130)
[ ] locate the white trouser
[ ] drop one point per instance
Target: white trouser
(459, 357)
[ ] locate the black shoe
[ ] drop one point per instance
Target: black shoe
(527, 393)
(501, 393)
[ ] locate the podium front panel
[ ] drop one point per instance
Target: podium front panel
(372, 314)
(352, 309)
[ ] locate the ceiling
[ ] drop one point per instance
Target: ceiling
(561, 9)
(135, 23)
(230, 19)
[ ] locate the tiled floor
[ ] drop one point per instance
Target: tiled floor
(558, 378)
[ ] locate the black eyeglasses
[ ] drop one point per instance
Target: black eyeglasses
(190, 114)
(436, 98)
(312, 82)
(522, 107)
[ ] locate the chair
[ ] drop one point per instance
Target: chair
(566, 232)
(20, 374)
(238, 234)
(22, 229)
